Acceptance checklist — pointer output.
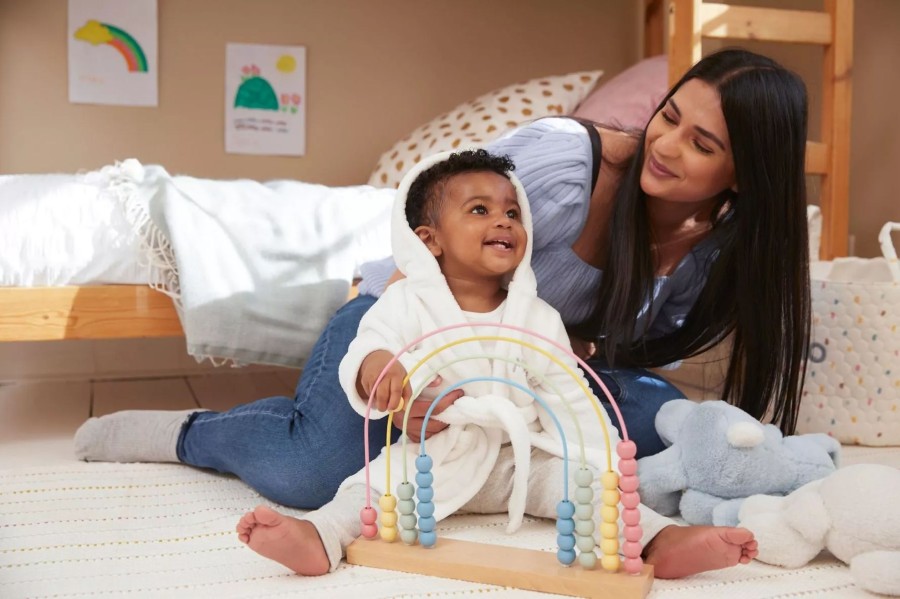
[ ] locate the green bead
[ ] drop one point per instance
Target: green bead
(584, 527)
(405, 490)
(585, 544)
(408, 521)
(588, 561)
(584, 495)
(584, 511)
(406, 506)
(409, 537)
(584, 477)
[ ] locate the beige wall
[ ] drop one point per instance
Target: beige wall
(375, 70)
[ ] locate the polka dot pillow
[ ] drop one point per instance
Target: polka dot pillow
(484, 119)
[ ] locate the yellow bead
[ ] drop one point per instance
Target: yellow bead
(389, 533)
(609, 513)
(610, 563)
(610, 497)
(387, 503)
(609, 480)
(389, 518)
(609, 530)
(609, 546)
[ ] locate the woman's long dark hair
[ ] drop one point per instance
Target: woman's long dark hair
(758, 283)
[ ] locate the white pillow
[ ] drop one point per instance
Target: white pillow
(484, 119)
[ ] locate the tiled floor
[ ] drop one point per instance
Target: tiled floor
(38, 419)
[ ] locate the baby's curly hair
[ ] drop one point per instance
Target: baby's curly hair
(423, 202)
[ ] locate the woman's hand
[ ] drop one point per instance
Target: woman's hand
(417, 410)
(582, 348)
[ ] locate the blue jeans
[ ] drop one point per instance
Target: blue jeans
(639, 394)
(297, 451)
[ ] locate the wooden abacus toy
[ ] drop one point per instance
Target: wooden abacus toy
(507, 566)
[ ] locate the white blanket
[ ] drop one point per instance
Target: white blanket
(257, 269)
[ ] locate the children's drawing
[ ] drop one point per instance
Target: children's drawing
(97, 33)
(264, 106)
(113, 52)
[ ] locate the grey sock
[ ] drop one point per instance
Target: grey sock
(131, 436)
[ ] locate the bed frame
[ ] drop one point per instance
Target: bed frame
(127, 311)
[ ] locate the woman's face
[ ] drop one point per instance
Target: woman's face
(687, 153)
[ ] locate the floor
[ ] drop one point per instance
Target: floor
(39, 418)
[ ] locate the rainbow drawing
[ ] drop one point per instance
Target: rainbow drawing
(98, 33)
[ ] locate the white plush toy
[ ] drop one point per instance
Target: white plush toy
(854, 513)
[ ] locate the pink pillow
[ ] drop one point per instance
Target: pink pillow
(628, 99)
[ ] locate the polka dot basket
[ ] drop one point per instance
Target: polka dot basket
(852, 389)
(484, 119)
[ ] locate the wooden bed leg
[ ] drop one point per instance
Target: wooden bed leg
(504, 566)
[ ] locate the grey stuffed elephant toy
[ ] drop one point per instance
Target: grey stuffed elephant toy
(717, 455)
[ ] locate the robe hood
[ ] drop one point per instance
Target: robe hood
(415, 260)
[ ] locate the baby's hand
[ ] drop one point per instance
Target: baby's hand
(391, 393)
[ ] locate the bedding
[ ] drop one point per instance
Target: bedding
(65, 230)
(153, 530)
(255, 269)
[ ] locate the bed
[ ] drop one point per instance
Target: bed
(161, 530)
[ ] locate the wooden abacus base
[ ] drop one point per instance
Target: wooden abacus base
(505, 566)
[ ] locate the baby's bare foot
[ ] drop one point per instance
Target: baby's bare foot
(679, 551)
(290, 542)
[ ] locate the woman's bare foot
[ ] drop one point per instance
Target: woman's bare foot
(679, 551)
(290, 542)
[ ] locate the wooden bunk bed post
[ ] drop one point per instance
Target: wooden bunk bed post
(836, 84)
(692, 20)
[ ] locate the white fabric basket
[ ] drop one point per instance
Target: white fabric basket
(852, 389)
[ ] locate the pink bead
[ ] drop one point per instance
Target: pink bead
(629, 483)
(631, 516)
(368, 515)
(631, 499)
(626, 449)
(633, 533)
(369, 531)
(632, 549)
(627, 467)
(633, 565)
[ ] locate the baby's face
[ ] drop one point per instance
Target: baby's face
(480, 229)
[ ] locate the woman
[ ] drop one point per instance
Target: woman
(653, 247)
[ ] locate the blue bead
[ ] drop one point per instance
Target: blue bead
(425, 493)
(424, 479)
(425, 509)
(565, 526)
(427, 539)
(565, 542)
(564, 557)
(565, 509)
(427, 524)
(424, 463)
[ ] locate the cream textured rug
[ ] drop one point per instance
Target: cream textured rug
(144, 530)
